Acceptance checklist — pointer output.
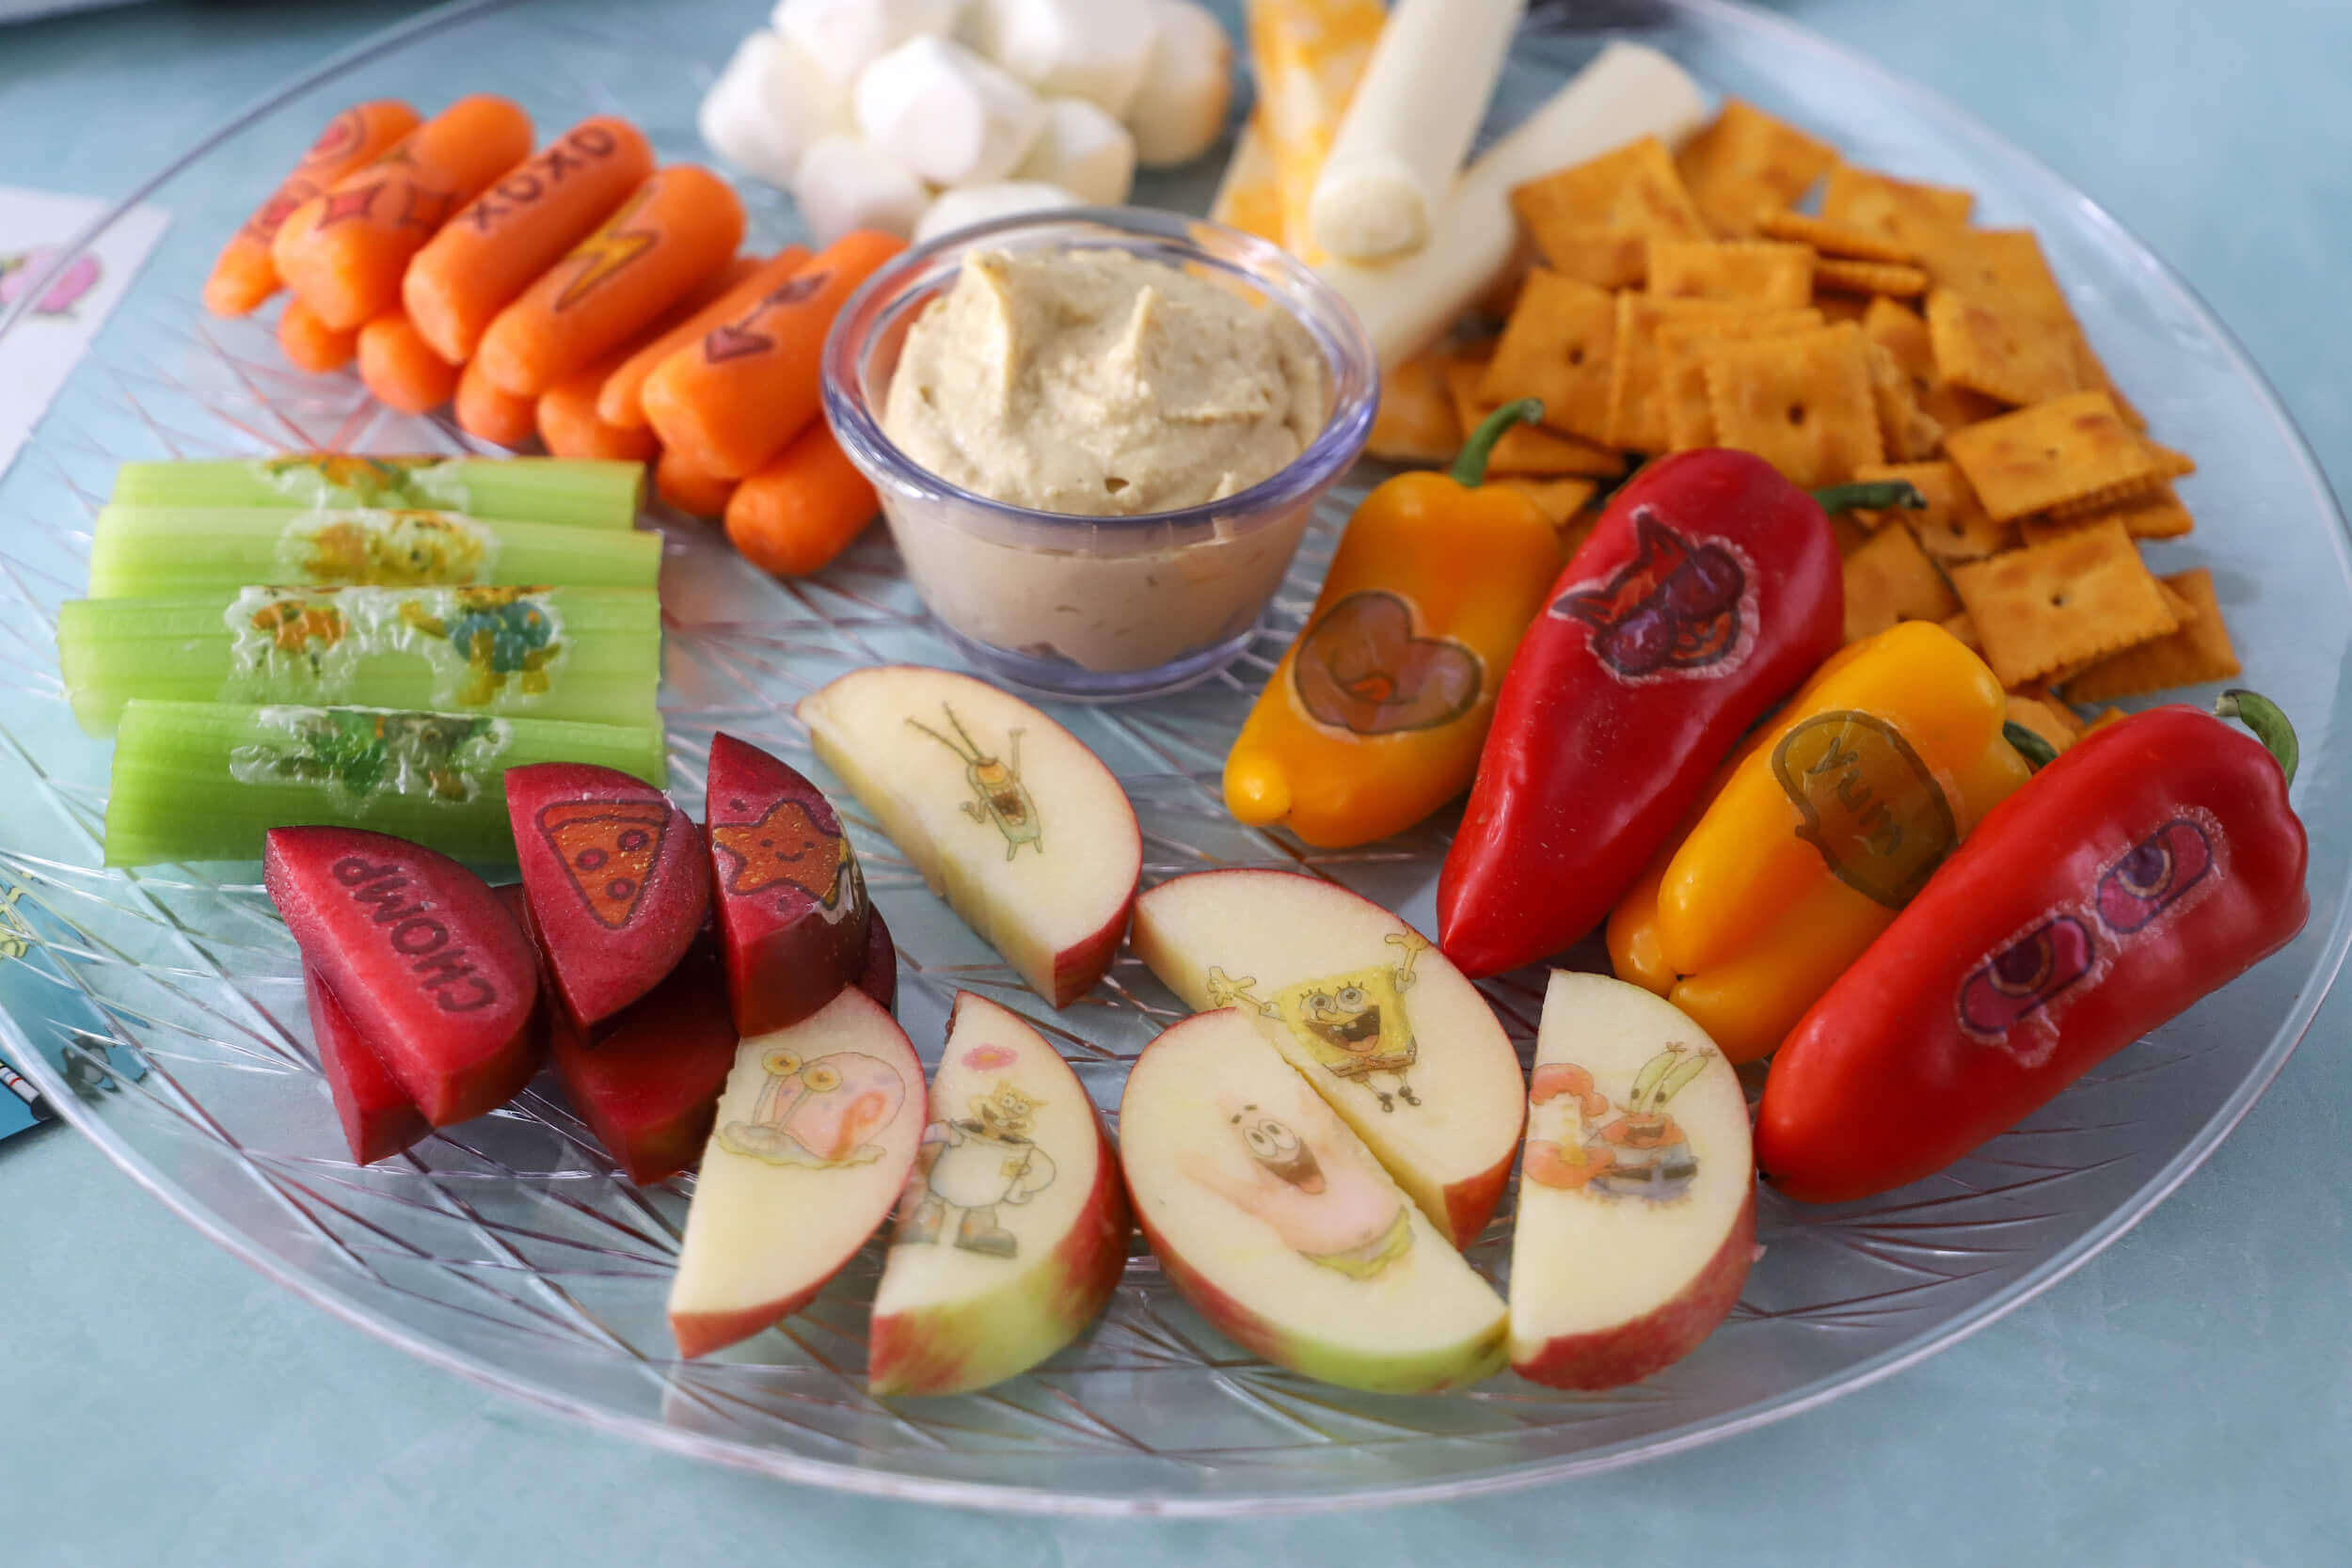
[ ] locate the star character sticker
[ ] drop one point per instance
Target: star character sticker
(785, 847)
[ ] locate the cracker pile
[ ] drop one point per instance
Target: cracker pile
(1683, 301)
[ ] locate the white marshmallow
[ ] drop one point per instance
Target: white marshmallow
(1092, 49)
(1179, 111)
(847, 182)
(847, 36)
(969, 204)
(1084, 150)
(768, 104)
(948, 114)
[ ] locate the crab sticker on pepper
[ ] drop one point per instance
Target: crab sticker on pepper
(1682, 607)
(1353, 1025)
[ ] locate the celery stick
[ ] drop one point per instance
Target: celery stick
(591, 654)
(574, 492)
(156, 553)
(202, 780)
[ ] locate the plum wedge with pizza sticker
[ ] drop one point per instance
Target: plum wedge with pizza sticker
(434, 973)
(618, 882)
(790, 899)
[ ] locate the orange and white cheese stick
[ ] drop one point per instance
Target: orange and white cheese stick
(1249, 197)
(1308, 55)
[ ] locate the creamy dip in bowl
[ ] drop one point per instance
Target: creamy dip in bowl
(1098, 436)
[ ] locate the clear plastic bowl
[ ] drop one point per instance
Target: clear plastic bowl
(1102, 607)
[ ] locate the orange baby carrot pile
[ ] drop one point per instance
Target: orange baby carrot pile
(244, 275)
(486, 410)
(621, 402)
(311, 343)
(676, 233)
(399, 367)
(568, 423)
(342, 252)
(730, 403)
(504, 239)
(794, 515)
(696, 491)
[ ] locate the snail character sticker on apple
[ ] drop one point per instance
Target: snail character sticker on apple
(819, 1115)
(1362, 669)
(1680, 608)
(1640, 1153)
(1000, 799)
(970, 1169)
(1353, 1025)
(1324, 1196)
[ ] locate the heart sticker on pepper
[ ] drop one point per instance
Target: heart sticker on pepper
(1360, 669)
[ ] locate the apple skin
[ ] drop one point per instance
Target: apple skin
(1469, 1203)
(1629, 1352)
(1077, 968)
(700, 1333)
(379, 1121)
(935, 1351)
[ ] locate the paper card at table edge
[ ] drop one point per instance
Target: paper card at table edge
(815, 1134)
(1277, 1224)
(1453, 1152)
(1636, 1220)
(930, 753)
(951, 1314)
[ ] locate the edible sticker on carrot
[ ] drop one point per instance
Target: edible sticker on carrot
(245, 274)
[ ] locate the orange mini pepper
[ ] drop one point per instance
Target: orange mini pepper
(1376, 715)
(1817, 834)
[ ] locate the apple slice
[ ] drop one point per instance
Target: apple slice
(1005, 814)
(1282, 1230)
(816, 1133)
(618, 878)
(1385, 1028)
(1637, 1199)
(431, 969)
(1013, 1229)
(878, 976)
(790, 899)
(378, 1119)
(649, 1083)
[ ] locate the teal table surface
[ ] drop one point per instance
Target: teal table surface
(2185, 1398)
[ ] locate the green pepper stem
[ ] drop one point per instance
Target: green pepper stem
(2037, 751)
(1870, 496)
(1469, 467)
(2268, 722)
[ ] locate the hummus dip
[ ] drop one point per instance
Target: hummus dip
(1098, 385)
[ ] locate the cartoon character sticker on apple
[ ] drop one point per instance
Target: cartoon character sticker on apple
(1324, 1199)
(1001, 797)
(971, 1166)
(1353, 1025)
(19, 273)
(818, 1114)
(1640, 1153)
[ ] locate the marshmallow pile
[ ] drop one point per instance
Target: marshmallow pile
(916, 116)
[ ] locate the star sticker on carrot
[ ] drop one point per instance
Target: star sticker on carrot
(341, 206)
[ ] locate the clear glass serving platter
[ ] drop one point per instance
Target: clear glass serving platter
(508, 1251)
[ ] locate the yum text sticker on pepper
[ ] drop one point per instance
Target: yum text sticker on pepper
(1869, 804)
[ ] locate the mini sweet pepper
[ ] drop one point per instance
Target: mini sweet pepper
(1375, 717)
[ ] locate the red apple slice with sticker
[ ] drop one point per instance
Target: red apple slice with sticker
(649, 1085)
(789, 896)
(1380, 1023)
(378, 1119)
(618, 878)
(816, 1132)
(1013, 1232)
(1282, 1229)
(432, 971)
(1005, 814)
(1636, 1217)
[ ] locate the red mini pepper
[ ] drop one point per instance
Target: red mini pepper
(1710, 587)
(2154, 861)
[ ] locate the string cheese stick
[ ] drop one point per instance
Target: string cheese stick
(1400, 144)
(1249, 197)
(1629, 91)
(1309, 56)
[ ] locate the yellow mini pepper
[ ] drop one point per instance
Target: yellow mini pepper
(1376, 715)
(1817, 834)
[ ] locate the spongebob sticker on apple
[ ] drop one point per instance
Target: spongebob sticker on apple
(969, 1168)
(999, 796)
(1639, 1152)
(1353, 1025)
(819, 1115)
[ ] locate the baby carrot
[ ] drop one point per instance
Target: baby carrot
(344, 250)
(311, 343)
(569, 425)
(678, 230)
(487, 410)
(730, 402)
(621, 401)
(794, 515)
(399, 367)
(518, 228)
(693, 491)
(244, 275)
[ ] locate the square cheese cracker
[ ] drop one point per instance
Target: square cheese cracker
(1416, 421)
(2056, 606)
(1593, 221)
(1889, 579)
(2071, 449)
(1801, 401)
(2196, 653)
(1528, 450)
(1637, 409)
(1747, 164)
(2003, 349)
(1952, 526)
(1556, 346)
(1765, 274)
(1683, 345)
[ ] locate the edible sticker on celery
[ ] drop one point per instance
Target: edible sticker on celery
(483, 644)
(359, 752)
(388, 549)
